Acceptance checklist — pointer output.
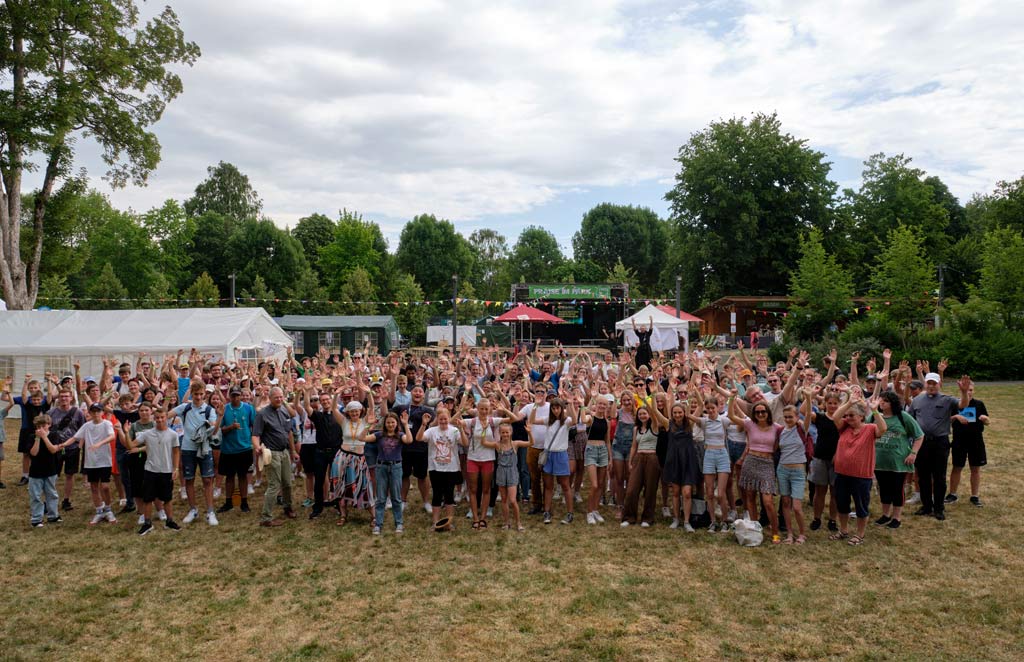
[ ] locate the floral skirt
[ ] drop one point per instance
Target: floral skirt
(351, 481)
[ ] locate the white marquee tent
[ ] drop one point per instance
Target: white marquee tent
(667, 329)
(37, 341)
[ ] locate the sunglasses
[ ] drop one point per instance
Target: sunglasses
(759, 412)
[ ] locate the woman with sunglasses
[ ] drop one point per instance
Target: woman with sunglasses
(757, 475)
(855, 462)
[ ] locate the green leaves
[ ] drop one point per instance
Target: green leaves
(902, 279)
(634, 236)
(822, 291)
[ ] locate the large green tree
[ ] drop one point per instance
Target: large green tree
(903, 280)
(1002, 271)
(432, 252)
(746, 189)
(1004, 207)
(71, 71)
(105, 291)
(535, 256)
(491, 275)
(635, 235)
(226, 191)
(202, 293)
(821, 289)
(261, 249)
(314, 232)
(174, 232)
(355, 243)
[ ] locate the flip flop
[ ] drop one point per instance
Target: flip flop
(800, 540)
(776, 539)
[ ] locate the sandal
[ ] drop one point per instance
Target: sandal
(483, 524)
(506, 527)
(788, 540)
(341, 520)
(855, 540)
(801, 539)
(839, 535)
(776, 539)
(476, 524)
(521, 528)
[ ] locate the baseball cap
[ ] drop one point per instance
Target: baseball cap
(235, 391)
(746, 373)
(90, 379)
(932, 377)
(325, 381)
(872, 378)
(95, 407)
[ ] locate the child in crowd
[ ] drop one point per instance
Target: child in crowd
(96, 436)
(42, 475)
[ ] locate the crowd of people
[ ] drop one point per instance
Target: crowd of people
(720, 437)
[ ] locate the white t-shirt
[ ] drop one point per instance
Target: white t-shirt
(561, 432)
(91, 433)
(307, 433)
(160, 447)
(539, 430)
(477, 432)
(442, 448)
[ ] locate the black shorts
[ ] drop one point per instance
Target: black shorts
(69, 462)
(136, 471)
(157, 487)
(26, 437)
(307, 456)
(235, 464)
(414, 464)
(443, 484)
(98, 475)
(969, 451)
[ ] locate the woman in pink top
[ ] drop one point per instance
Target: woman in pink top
(757, 475)
(855, 462)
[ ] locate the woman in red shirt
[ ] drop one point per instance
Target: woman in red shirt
(855, 462)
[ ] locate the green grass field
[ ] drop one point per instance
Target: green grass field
(313, 591)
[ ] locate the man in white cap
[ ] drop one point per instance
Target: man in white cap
(934, 412)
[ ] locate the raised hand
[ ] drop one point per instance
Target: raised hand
(964, 383)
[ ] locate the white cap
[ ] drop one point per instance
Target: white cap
(933, 377)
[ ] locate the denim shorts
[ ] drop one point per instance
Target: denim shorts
(596, 455)
(791, 481)
(557, 464)
(189, 460)
(716, 461)
(736, 449)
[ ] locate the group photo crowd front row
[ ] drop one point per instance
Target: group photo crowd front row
(796, 447)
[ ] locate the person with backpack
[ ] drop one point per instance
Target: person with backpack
(199, 422)
(895, 452)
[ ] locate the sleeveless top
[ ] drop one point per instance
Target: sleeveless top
(646, 441)
(598, 429)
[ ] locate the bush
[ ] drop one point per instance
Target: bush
(877, 327)
(975, 341)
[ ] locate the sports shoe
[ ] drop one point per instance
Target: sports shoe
(122, 502)
(687, 527)
(109, 515)
(597, 516)
(142, 518)
(591, 519)
(920, 512)
(883, 520)
(569, 517)
(97, 518)
(65, 505)
(24, 481)
(245, 506)
(853, 515)
(376, 530)
(645, 525)
(976, 502)
(914, 499)
(387, 504)
(951, 498)
(815, 524)
(227, 507)
(666, 511)
(399, 529)
(893, 524)
(191, 517)
(250, 490)
(162, 515)
(127, 508)
(674, 524)
(604, 500)
(3, 485)
(940, 515)
(211, 518)
(547, 517)
(217, 492)
(490, 512)
(145, 527)
(731, 517)
(172, 525)
(712, 528)
(183, 493)
(307, 502)
(578, 498)
(624, 523)
(37, 525)
(427, 507)
(258, 482)
(469, 514)
(832, 526)
(54, 520)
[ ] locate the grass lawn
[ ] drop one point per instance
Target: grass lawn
(313, 591)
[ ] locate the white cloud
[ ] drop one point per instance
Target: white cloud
(472, 109)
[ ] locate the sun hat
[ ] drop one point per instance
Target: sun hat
(353, 406)
(264, 458)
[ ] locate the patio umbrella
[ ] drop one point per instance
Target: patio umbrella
(523, 314)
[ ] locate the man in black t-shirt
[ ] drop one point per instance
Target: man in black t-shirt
(328, 441)
(968, 447)
(414, 455)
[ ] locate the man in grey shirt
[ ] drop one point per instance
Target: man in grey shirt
(273, 429)
(934, 412)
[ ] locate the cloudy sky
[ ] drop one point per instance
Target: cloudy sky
(504, 115)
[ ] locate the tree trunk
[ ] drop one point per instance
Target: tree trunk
(12, 270)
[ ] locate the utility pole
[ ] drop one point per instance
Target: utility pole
(942, 292)
(455, 312)
(232, 277)
(679, 284)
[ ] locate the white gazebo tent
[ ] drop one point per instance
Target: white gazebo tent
(36, 341)
(667, 328)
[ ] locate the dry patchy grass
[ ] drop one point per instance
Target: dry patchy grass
(313, 591)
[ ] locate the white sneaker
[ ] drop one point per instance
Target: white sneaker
(387, 506)
(490, 512)
(142, 520)
(162, 515)
(687, 527)
(674, 524)
(258, 482)
(666, 511)
(183, 493)
(97, 518)
(644, 525)
(427, 507)
(469, 514)
(191, 517)
(597, 516)
(712, 528)
(211, 518)
(217, 492)
(579, 499)
(718, 511)
(376, 530)
(109, 515)
(250, 490)
(914, 499)
(122, 502)
(591, 519)
(731, 517)
(624, 524)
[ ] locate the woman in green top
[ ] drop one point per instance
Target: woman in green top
(895, 452)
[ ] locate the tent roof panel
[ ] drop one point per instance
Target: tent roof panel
(329, 322)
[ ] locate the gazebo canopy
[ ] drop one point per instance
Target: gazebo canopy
(524, 313)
